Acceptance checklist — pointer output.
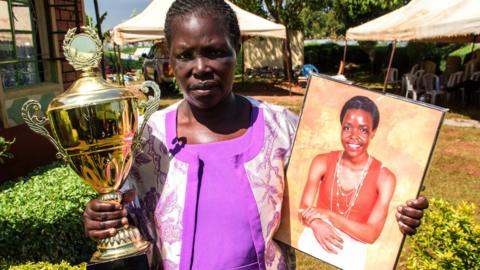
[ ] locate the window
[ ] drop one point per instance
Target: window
(20, 57)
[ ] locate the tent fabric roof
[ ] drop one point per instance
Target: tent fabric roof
(424, 20)
(148, 25)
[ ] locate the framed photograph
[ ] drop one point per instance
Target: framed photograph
(357, 155)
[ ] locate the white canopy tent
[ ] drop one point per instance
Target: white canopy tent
(424, 20)
(149, 24)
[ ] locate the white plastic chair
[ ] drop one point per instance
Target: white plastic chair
(453, 81)
(418, 79)
(409, 81)
(476, 78)
(414, 68)
(431, 82)
(471, 67)
(392, 77)
(428, 66)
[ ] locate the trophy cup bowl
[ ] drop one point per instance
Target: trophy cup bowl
(95, 129)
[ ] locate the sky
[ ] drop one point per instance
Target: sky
(118, 10)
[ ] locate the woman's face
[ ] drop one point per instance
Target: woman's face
(203, 59)
(357, 131)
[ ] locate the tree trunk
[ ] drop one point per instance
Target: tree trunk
(100, 35)
(287, 59)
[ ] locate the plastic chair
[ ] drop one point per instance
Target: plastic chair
(453, 81)
(476, 54)
(428, 66)
(393, 77)
(432, 86)
(476, 78)
(418, 79)
(452, 65)
(414, 69)
(470, 67)
(409, 81)
(308, 69)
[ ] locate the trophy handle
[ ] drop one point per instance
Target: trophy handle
(30, 110)
(150, 107)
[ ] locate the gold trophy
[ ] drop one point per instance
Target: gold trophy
(95, 126)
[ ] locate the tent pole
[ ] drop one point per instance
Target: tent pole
(341, 68)
(387, 75)
(473, 46)
(122, 79)
(243, 60)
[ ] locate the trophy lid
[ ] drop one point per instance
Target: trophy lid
(84, 51)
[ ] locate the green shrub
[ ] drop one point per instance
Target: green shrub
(449, 238)
(4, 146)
(41, 217)
(48, 266)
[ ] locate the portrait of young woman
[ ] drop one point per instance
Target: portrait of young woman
(357, 156)
(346, 198)
(210, 179)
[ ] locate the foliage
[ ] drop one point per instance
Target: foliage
(4, 147)
(41, 217)
(320, 22)
(253, 6)
(464, 50)
(351, 13)
(103, 36)
(448, 239)
(127, 64)
(44, 266)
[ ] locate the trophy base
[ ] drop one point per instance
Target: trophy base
(126, 242)
(140, 261)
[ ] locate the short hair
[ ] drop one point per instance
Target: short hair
(362, 103)
(212, 8)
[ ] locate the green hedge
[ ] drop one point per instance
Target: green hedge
(449, 238)
(44, 266)
(327, 57)
(41, 217)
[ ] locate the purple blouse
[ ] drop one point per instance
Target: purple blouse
(222, 228)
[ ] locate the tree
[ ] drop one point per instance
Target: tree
(253, 6)
(353, 12)
(285, 12)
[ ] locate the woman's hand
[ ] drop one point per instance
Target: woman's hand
(409, 215)
(312, 213)
(101, 218)
(326, 236)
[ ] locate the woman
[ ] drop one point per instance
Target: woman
(210, 179)
(346, 198)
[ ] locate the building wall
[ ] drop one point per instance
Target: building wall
(31, 150)
(268, 52)
(65, 19)
(61, 75)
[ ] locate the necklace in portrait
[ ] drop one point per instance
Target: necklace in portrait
(338, 194)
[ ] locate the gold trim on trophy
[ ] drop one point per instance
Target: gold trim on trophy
(95, 129)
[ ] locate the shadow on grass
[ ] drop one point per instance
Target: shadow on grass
(464, 112)
(266, 88)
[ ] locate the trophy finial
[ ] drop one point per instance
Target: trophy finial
(83, 51)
